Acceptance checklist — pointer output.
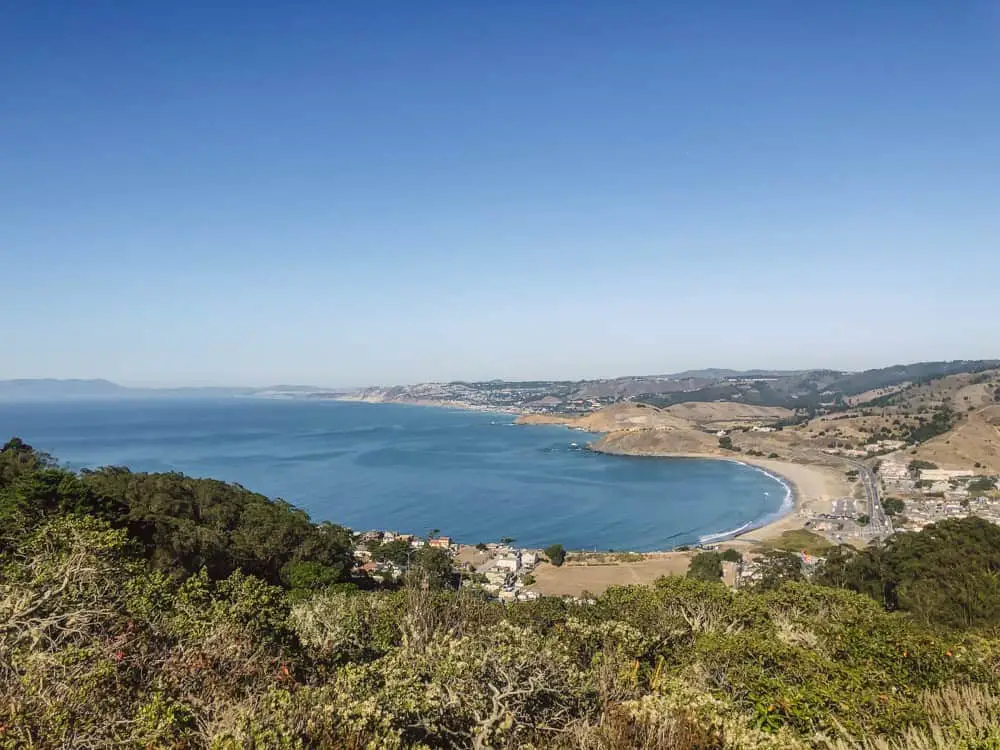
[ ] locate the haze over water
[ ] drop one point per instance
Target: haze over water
(473, 475)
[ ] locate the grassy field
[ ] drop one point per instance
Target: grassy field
(800, 540)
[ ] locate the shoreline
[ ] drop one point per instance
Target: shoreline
(805, 483)
(768, 526)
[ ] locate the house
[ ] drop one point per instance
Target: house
(945, 475)
(497, 577)
(529, 559)
(441, 542)
(509, 563)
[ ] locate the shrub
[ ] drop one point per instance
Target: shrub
(556, 554)
(705, 566)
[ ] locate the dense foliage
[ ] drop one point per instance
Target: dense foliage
(706, 566)
(182, 525)
(118, 632)
(946, 574)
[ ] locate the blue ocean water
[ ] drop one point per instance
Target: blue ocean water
(474, 476)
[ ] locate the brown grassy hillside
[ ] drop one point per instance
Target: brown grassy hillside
(707, 412)
(628, 416)
(976, 440)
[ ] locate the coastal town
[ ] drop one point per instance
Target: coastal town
(862, 466)
(498, 569)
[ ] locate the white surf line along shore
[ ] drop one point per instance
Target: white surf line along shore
(786, 507)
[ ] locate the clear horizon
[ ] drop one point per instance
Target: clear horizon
(343, 196)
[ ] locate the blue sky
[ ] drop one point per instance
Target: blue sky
(357, 193)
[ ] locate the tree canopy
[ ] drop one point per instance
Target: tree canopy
(947, 573)
(180, 523)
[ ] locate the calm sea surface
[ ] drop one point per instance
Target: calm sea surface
(475, 476)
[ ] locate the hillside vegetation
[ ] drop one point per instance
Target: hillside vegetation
(160, 611)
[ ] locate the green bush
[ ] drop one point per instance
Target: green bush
(706, 566)
(556, 554)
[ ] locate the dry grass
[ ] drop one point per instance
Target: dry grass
(964, 716)
(574, 580)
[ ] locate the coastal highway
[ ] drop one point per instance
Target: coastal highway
(879, 525)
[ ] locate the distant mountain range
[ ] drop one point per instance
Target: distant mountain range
(793, 389)
(45, 389)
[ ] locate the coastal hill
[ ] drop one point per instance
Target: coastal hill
(805, 392)
(974, 442)
(636, 428)
(943, 413)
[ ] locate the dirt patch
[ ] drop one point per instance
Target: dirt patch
(574, 580)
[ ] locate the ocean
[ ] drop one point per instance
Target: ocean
(473, 475)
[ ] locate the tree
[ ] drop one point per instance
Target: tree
(396, 551)
(726, 443)
(309, 575)
(482, 547)
(732, 555)
(946, 574)
(917, 465)
(893, 505)
(556, 554)
(776, 568)
(863, 520)
(431, 567)
(981, 485)
(705, 566)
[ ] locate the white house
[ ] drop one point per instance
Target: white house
(511, 564)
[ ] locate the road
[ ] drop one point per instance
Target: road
(879, 525)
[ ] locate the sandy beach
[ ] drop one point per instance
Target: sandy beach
(813, 487)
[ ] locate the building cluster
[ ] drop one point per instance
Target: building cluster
(876, 448)
(497, 396)
(934, 494)
(389, 571)
(506, 573)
